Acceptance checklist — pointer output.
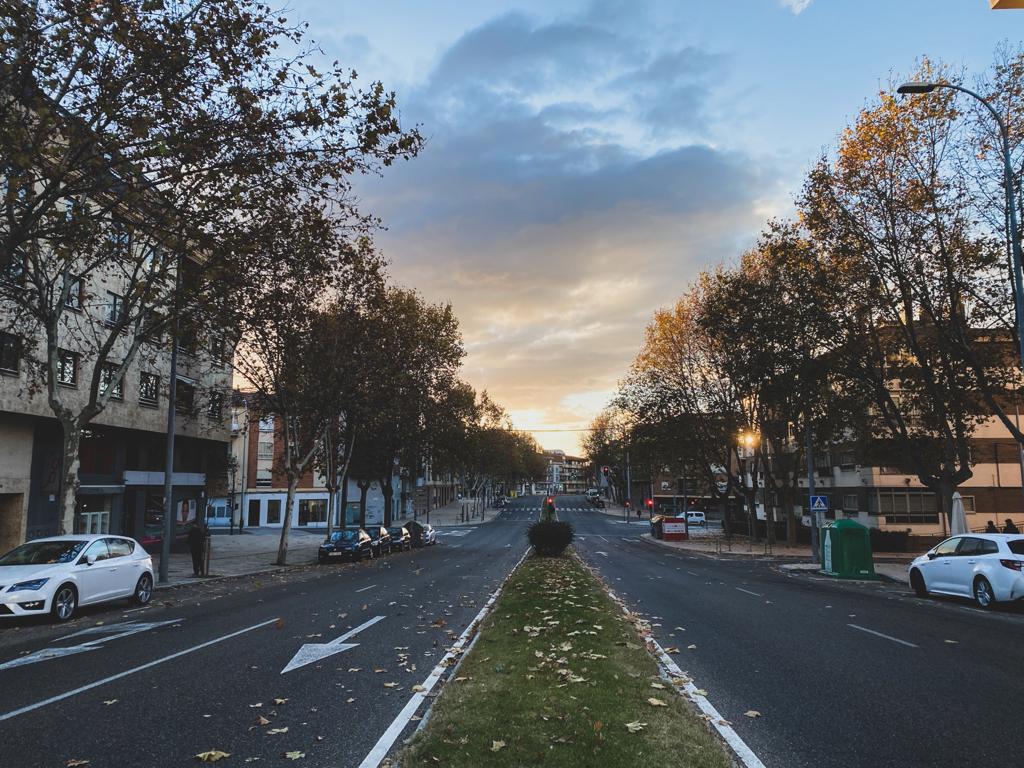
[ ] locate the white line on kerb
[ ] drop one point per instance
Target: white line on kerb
(390, 736)
(132, 671)
(741, 589)
(879, 634)
(743, 752)
(366, 588)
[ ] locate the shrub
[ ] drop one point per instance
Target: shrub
(550, 538)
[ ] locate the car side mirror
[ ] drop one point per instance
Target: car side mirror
(90, 559)
(932, 555)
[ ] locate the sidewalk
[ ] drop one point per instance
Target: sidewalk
(710, 542)
(895, 572)
(452, 514)
(253, 551)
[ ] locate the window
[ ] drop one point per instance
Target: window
(120, 547)
(267, 424)
(312, 511)
(185, 397)
(74, 298)
(1016, 546)
(969, 546)
(115, 308)
(97, 549)
(119, 238)
(264, 479)
(914, 507)
(968, 504)
(948, 547)
(215, 406)
(67, 368)
(273, 511)
(109, 378)
(149, 389)
(850, 503)
(10, 353)
(265, 450)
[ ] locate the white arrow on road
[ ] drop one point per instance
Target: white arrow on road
(311, 652)
(110, 632)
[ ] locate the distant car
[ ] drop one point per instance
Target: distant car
(347, 544)
(60, 573)
(401, 539)
(987, 567)
(696, 518)
(380, 539)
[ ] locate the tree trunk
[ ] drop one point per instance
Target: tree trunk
(286, 524)
(945, 489)
(343, 513)
(350, 443)
(364, 486)
(72, 438)
(389, 495)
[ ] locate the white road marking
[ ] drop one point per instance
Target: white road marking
(879, 634)
(390, 736)
(602, 553)
(692, 573)
(311, 652)
(132, 671)
(602, 538)
(366, 588)
(755, 594)
(119, 630)
(695, 694)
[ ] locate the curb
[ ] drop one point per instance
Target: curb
(800, 568)
(448, 663)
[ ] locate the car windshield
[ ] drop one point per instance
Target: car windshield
(43, 553)
(396, 531)
(344, 535)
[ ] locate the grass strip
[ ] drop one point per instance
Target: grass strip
(560, 677)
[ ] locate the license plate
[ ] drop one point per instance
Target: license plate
(336, 554)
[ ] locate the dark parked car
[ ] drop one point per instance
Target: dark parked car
(347, 544)
(422, 533)
(380, 539)
(401, 540)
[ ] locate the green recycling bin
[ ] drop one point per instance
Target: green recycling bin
(846, 551)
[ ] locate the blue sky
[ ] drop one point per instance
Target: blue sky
(586, 159)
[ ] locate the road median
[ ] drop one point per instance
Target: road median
(560, 676)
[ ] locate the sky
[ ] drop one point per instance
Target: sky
(586, 160)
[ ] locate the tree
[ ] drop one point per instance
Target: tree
(135, 135)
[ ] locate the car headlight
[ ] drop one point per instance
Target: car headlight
(28, 585)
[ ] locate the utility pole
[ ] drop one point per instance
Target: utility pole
(810, 490)
(172, 395)
(629, 487)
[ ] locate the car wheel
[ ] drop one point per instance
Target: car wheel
(65, 601)
(917, 583)
(983, 595)
(144, 589)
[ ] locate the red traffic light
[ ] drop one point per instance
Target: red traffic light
(650, 502)
(605, 471)
(551, 499)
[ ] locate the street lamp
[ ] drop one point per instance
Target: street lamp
(748, 439)
(1015, 249)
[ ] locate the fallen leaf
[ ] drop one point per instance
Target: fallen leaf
(418, 688)
(262, 721)
(700, 692)
(280, 701)
(355, 669)
(656, 702)
(752, 713)
(497, 746)
(657, 685)
(691, 647)
(254, 706)
(952, 642)
(75, 762)
(390, 685)
(635, 726)
(294, 755)
(272, 731)
(349, 701)
(279, 624)
(212, 756)
(108, 702)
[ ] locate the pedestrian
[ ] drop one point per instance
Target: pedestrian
(1010, 527)
(196, 536)
(991, 528)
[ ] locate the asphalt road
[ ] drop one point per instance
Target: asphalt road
(198, 669)
(843, 675)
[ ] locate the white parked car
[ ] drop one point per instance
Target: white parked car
(60, 573)
(696, 518)
(988, 567)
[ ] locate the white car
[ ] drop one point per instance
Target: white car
(696, 518)
(429, 535)
(60, 573)
(988, 567)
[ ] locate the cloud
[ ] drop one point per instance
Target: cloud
(796, 6)
(563, 195)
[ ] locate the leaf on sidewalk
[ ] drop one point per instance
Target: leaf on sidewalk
(108, 702)
(76, 762)
(262, 721)
(257, 704)
(635, 726)
(691, 647)
(212, 756)
(656, 702)
(657, 685)
(418, 689)
(390, 685)
(349, 700)
(294, 755)
(752, 713)
(280, 701)
(497, 746)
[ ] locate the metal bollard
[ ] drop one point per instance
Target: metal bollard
(206, 555)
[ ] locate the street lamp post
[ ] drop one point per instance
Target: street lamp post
(748, 440)
(1016, 274)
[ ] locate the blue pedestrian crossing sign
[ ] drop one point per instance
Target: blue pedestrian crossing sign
(819, 503)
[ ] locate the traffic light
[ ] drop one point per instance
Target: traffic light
(551, 499)
(605, 471)
(650, 502)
